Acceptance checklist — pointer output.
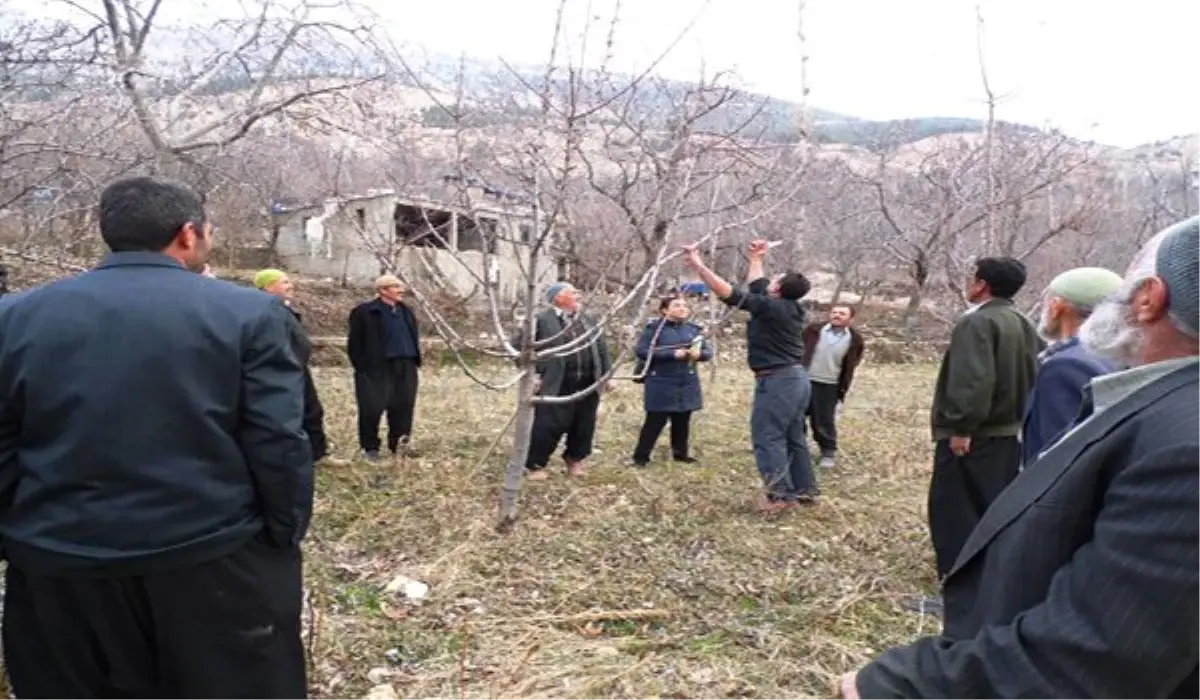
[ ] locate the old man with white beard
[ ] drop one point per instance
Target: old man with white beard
(1083, 577)
(1066, 366)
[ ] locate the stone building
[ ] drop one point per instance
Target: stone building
(439, 245)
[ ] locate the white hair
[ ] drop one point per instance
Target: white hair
(1110, 331)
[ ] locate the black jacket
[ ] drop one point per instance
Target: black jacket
(314, 413)
(774, 333)
(150, 418)
(366, 341)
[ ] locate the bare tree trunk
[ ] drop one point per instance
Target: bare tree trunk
(989, 239)
(912, 312)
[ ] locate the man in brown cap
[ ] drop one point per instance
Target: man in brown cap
(384, 345)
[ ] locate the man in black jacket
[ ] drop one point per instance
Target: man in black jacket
(277, 283)
(155, 481)
(384, 344)
(774, 350)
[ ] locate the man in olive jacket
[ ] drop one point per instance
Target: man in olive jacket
(978, 406)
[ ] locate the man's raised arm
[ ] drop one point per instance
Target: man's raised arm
(752, 300)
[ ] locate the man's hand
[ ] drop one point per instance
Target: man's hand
(758, 249)
(691, 256)
(848, 687)
(610, 386)
(960, 445)
(537, 385)
(682, 353)
(694, 353)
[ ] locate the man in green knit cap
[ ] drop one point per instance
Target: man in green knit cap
(1065, 366)
(277, 283)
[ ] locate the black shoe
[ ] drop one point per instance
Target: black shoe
(635, 462)
(685, 459)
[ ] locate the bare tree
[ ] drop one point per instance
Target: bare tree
(538, 146)
(237, 73)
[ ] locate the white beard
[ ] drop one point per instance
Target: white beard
(1047, 333)
(1109, 332)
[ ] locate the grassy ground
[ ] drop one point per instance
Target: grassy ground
(649, 583)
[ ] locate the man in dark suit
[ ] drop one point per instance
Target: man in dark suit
(1066, 366)
(384, 345)
(1082, 578)
(562, 374)
(155, 481)
(978, 404)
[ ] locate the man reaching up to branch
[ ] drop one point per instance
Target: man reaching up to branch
(781, 388)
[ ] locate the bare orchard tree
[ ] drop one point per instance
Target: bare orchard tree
(841, 220)
(54, 144)
(197, 88)
(1041, 187)
(933, 195)
(517, 177)
(669, 154)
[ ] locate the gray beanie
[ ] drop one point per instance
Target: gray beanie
(1177, 263)
(554, 290)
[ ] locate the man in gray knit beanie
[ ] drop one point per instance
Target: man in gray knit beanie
(1081, 578)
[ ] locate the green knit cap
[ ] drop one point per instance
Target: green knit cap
(266, 278)
(1085, 286)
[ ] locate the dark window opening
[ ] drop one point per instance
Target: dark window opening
(527, 234)
(360, 217)
(426, 228)
(477, 234)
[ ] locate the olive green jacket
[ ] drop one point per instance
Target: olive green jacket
(986, 374)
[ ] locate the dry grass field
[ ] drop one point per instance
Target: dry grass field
(660, 582)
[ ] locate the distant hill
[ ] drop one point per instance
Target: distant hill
(777, 119)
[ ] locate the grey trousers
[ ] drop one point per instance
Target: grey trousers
(777, 430)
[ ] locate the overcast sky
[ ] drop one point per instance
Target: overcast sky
(1123, 73)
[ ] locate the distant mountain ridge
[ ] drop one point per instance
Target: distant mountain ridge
(779, 118)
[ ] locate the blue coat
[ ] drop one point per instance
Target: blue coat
(671, 385)
(1057, 392)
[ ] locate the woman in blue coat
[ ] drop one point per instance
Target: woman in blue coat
(669, 350)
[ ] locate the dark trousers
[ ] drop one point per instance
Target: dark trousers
(392, 389)
(777, 430)
(822, 417)
(228, 628)
(652, 427)
(314, 418)
(962, 488)
(576, 420)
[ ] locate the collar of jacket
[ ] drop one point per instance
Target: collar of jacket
(139, 257)
(380, 305)
(1058, 346)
